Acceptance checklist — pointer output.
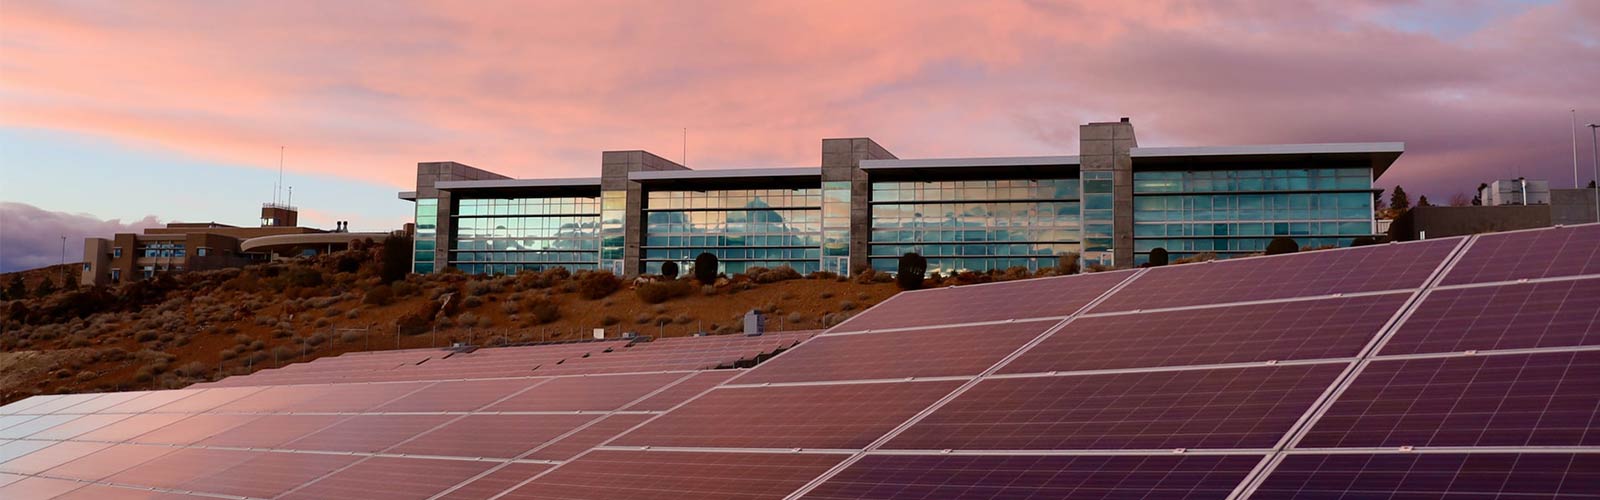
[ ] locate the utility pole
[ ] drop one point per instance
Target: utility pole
(1595, 155)
(63, 261)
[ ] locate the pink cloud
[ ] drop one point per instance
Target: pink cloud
(366, 90)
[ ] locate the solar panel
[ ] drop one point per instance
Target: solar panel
(98, 492)
(496, 482)
(1547, 314)
(1545, 399)
(596, 393)
(817, 416)
(893, 477)
(1561, 251)
(271, 431)
(1215, 408)
(1039, 298)
(493, 436)
(368, 433)
(385, 478)
(108, 461)
(605, 474)
(1435, 475)
(1393, 266)
(267, 475)
(50, 456)
(463, 395)
(966, 350)
(1327, 328)
(682, 391)
(35, 487)
(598, 432)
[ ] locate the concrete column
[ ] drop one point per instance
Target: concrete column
(1105, 146)
(841, 161)
(614, 169)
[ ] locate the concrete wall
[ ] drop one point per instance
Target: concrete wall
(1572, 206)
(1439, 222)
(841, 161)
(97, 262)
(1105, 146)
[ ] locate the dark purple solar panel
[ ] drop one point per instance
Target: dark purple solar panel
(1506, 476)
(1037, 477)
(1548, 314)
(1327, 328)
(1035, 298)
(682, 391)
(827, 416)
(1562, 251)
(384, 478)
(938, 352)
(1364, 269)
(493, 436)
(599, 432)
(596, 393)
(1550, 399)
(668, 475)
(1220, 408)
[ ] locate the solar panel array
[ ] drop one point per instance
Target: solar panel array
(1455, 368)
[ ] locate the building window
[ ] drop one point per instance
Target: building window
(86, 267)
(201, 251)
(116, 275)
(149, 272)
(116, 252)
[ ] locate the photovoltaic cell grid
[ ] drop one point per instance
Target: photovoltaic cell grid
(1135, 407)
(1541, 253)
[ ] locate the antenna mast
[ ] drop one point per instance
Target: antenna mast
(278, 187)
(686, 146)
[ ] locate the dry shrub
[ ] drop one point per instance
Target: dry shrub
(543, 310)
(595, 285)
(656, 292)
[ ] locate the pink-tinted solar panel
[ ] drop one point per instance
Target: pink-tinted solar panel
(132, 427)
(179, 467)
(78, 426)
(599, 432)
(1036, 298)
(465, 395)
(98, 492)
(937, 352)
(61, 404)
(1038, 477)
(1505, 476)
(677, 475)
(101, 403)
(39, 424)
(150, 400)
(193, 429)
(383, 478)
(108, 461)
(495, 482)
(595, 393)
(1550, 399)
(1549, 314)
(1328, 328)
(1562, 251)
(205, 400)
(46, 458)
(368, 433)
(829, 416)
(38, 487)
(1364, 269)
(267, 475)
(1216, 408)
(682, 391)
(493, 436)
(271, 431)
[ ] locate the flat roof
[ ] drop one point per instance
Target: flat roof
(998, 161)
(1377, 155)
(520, 183)
(729, 173)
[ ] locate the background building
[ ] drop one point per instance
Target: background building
(1507, 205)
(863, 206)
(200, 246)
(1519, 191)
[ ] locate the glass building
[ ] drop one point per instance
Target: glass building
(862, 208)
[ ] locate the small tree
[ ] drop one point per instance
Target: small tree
(1423, 201)
(45, 288)
(669, 270)
(1282, 245)
(396, 258)
(705, 268)
(1591, 184)
(912, 270)
(1067, 263)
(1158, 257)
(18, 289)
(1398, 200)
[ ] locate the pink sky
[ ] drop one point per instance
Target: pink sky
(365, 89)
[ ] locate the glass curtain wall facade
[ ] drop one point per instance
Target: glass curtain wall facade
(503, 236)
(1230, 212)
(743, 227)
(427, 227)
(1098, 225)
(975, 224)
(836, 227)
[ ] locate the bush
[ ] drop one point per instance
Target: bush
(304, 277)
(912, 270)
(598, 284)
(1158, 257)
(609, 320)
(705, 268)
(669, 270)
(657, 292)
(822, 275)
(1067, 264)
(1282, 245)
(379, 296)
(543, 310)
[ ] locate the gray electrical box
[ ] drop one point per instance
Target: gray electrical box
(755, 323)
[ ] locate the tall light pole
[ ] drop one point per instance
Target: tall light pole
(1595, 145)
